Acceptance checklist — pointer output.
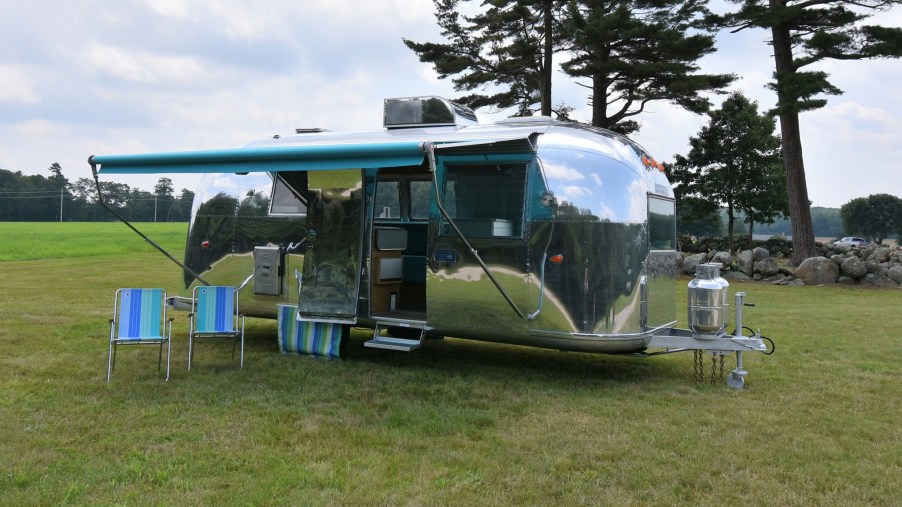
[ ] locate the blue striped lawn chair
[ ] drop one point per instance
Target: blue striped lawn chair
(321, 339)
(214, 314)
(139, 318)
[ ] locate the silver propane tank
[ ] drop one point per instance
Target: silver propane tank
(708, 300)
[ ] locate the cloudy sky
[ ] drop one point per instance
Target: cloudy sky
(83, 77)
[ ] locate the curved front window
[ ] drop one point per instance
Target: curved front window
(593, 187)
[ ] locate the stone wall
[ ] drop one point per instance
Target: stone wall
(875, 265)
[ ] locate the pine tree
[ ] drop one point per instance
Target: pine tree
(804, 33)
(637, 52)
(632, 52)
(508, 46)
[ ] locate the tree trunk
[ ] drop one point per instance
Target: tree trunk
(545, 93)
(751, 228)
(803, 245)
(600, 100)
(730, 220)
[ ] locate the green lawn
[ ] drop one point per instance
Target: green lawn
(54, 240)
(456, 422)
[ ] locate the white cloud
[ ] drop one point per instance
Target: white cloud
(175, 9)
(33, 128)
(113, 61)
(573, 193)
(862, 116)
(16, 86)
(146, 67)
(562, 172)
(851, 150)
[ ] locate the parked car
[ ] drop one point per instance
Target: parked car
(852, 241)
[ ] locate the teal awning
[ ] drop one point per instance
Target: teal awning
(267, 159)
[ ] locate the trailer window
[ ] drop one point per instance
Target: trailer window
(419, 199)
(661, 223)
(388, 200)
(289, 195)
(485, 200)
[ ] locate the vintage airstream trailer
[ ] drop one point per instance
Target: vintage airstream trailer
(528, 231)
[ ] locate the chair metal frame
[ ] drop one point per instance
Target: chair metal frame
(162, 324)
(194, 319)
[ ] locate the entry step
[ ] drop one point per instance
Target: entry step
(390, 343)
(393, 321)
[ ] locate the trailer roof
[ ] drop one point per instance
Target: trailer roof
(326, 150)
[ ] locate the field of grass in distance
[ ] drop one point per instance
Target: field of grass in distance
(454, 423)
(57, 240)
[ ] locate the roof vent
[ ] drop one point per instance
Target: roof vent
(426, 112)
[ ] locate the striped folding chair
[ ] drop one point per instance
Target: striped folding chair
(214, 314)
(139, 318)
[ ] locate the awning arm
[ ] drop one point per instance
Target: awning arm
(122, 219)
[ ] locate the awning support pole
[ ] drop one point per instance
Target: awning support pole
(122, 219)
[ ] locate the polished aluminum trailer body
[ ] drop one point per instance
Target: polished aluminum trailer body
(531, 231)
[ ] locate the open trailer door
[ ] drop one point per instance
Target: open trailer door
(478, 266)
(330, 280)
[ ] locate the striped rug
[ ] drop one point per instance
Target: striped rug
(320, 339)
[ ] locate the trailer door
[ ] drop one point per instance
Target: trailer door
(478, 268)
(330, 279)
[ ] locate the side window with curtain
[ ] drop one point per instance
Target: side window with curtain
(485, 200)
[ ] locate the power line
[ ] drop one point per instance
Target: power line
(53, 191)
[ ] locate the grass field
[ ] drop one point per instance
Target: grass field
(454, 423)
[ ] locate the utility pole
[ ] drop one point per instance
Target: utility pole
(63, 189)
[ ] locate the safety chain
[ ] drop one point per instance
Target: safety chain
(713, 368)
(698, 366)
(714, 377)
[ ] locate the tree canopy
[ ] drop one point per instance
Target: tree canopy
(734, 161)
(875, 217)
(637, 52)
(631, 53)
(509, 46)
(40, 199)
